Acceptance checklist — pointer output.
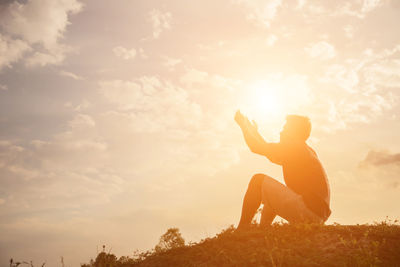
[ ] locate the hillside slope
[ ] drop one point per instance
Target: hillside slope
(280, 245)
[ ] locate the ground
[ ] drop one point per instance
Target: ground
(279, 245)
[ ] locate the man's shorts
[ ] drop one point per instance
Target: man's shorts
(281, 200)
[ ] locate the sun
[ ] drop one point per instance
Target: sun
(263, 100)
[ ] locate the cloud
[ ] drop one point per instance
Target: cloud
(11, 50)
(36, 172)
(349, 31)
(355, 8)
(160, 22)
(151, 104)
(364, 85)
(83, 105)
(259, 11)
(3, 87)
(369, 5)
(37, 21)
(379, 158)
(170, 62)
(142, 53)
(271, 39)
(301, 3)
(193, 76)
(99, 155)
(54, 56)
(70, 75)
(358, 9)
(154, 106)
(381, 167)
(321, 50)
(345, 77)
(82, 120)
(36, 26)
(338, 112)
(124, 53)
(384, 73)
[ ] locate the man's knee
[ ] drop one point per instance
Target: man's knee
(257, 180)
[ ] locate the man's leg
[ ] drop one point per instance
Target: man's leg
(267, 215)
(284, 202)
(252, 200)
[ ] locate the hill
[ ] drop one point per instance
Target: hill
(279, 245)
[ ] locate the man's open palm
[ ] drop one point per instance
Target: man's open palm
(244, 121)
(254, 125)
(239, 118)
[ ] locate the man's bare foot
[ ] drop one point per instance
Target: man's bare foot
(242, 228)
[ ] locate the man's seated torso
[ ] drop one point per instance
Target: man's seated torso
(304, 174)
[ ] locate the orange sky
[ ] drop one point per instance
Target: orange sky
(116, 117)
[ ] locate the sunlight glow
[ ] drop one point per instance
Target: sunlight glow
(264, 101)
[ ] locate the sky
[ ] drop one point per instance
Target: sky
(116, 117)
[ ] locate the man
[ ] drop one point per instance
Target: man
(306, 195)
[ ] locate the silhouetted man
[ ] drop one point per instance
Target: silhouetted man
(306, 195)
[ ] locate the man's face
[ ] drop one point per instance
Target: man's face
(286, 134)
(283, 134)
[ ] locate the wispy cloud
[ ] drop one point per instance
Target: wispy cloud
(152, 104)
(124, 53)
(380, 158)
(70, 75)
(271, 39)
(357, 9)
(11, 50)
(160, 21)
(321, 50)
(384, 73)
(381, 167)
(369, 5)
(261, 12)
(349, 31)
(170, 62)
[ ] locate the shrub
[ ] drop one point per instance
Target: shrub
(170, 240)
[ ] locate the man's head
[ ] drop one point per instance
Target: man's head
(296, 129)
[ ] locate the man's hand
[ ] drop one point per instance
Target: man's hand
(240, 118)
(250, 132)
(243, 121)
(254, 126)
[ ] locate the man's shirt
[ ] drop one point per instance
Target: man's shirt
(303, 173)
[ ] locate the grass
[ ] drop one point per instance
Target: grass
(280, 245)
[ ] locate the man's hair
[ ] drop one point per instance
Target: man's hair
(301, 126)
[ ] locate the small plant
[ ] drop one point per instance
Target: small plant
(103, 259)
(170, 240)
(18, 263)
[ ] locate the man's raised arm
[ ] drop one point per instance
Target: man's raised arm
(250, 132)
(256, 142)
